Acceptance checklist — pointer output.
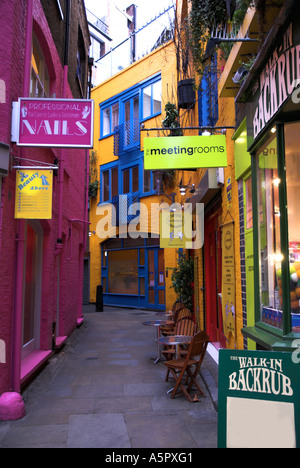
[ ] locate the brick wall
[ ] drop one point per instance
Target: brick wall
(12, 25)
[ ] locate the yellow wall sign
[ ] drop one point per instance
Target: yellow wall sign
(175, 230)
(228, 280)
(187, 152)
(34, 194)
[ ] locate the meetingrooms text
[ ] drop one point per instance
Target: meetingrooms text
(191, 150)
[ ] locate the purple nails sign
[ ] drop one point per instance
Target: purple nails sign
(55, 122)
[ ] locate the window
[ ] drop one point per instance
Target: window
(292, 162)
(110, 119)
(123, 272)
(97, 48)
(249, 212)
(105, 186)
(152, 100)
(269, 234)
(278, 183)
(131, 180)
(114, 182)
(135, 179)
(147, 181)
(40, 83)
(110, 183)
(126, 181)
(131, 123)
(81, 62)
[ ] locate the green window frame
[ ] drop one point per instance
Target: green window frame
(265, 333)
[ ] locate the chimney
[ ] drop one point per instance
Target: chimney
(131, 11)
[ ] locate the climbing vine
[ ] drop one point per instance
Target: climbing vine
(207, 15)
(93, 181)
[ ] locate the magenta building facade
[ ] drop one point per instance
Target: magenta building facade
(43, 54)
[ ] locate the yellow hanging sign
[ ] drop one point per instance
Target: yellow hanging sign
(34, 194)
(186, 152)
(175, 230)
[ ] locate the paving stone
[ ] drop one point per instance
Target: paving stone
(98, 431)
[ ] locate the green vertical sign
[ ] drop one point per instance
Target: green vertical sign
(259, 399)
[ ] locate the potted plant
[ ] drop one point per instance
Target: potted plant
(182, 279)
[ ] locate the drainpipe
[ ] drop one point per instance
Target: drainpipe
(59, 245)
(20, 235)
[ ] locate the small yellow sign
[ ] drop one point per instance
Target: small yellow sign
(34, 194)
(175, 230)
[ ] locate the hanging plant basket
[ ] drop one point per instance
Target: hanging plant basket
(186, 94)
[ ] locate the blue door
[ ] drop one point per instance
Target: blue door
(155, 294)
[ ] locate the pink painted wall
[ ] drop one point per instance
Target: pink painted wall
(12, 27)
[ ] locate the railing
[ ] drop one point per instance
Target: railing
(126, 137)
(122, 204)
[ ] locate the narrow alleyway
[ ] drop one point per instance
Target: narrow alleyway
(103, 390)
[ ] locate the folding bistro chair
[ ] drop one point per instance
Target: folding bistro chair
(185, 370)
(184, 326)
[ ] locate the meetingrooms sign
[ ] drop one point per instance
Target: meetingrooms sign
(187, 152)
(55, 122)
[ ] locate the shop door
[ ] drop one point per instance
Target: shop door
(32, 289)
(213, 281)
(156, 279)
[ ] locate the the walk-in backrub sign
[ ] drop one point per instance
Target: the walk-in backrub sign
(186, 152)
(55, 123)
(258, 399)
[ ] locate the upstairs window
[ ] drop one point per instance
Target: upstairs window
(110, 183)
(152, 100)
(40, 83)
(131, 180)
(110, 119)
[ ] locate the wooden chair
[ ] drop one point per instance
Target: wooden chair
(180, 313)
(184, 326)
(185, 370)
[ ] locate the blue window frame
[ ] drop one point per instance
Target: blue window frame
(144, 101)
(109, 119)
(109, 182)
(151, 100)
(131, 179)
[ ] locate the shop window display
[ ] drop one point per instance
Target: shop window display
(271, 257)
(292, 162)
(269, 233)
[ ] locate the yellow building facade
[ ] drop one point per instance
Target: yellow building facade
(132, 268)
(132, 100)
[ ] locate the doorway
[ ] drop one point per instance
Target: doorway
(31, 319)
(213, 278)
(156, 279)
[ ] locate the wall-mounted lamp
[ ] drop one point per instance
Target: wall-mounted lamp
(184, 188)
